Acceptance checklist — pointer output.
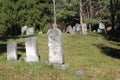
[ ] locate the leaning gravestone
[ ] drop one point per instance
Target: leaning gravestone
(70, 30)
(30, 31)
(56, 48)
(84, 28)
(12, 51)
(32, 50)
(23, 29)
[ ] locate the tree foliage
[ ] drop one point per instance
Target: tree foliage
(17, 13)
(37, 13)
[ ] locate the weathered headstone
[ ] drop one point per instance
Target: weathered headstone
(30, 31)
(12, 51)
(23, 29)
(77, 27)
(70, 30)
(32, 50)
(56, 47)
(84, 28)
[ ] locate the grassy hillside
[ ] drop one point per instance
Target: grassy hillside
(98, 58)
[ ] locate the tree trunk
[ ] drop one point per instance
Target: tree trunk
(80, 12)
(55, 25)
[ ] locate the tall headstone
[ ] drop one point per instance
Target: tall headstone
(70, 30)
(32, 50)
(56, 47)
(23, 29)
(12, 51)
(30, 31)
(84, 28)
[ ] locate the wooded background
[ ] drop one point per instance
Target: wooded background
(38, 13)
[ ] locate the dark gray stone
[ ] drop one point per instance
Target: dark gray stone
(80, 73)
(32, 50)
(12, 51)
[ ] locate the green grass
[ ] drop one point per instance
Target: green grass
(97, 57)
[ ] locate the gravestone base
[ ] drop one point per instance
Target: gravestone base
(59, 66)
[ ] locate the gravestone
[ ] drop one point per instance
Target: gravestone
(77, 27)
(30, 31)
(23, 30)
(74, 29)
(70, 30)
(56, 47)
(101, 28)
(32, 50)
(84, 28)
(12, 51)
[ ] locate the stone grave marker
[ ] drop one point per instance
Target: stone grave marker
(12, 51)
(56, 47)
(101, 28)
(77, 27)
(32, 50)
(84, 28)
(70, 30)
(30, 31)
(23, 29)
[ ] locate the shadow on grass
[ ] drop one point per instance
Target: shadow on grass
(3, 48)
(21, 47)
(109, 51)
(6, 38)
(113, 36)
